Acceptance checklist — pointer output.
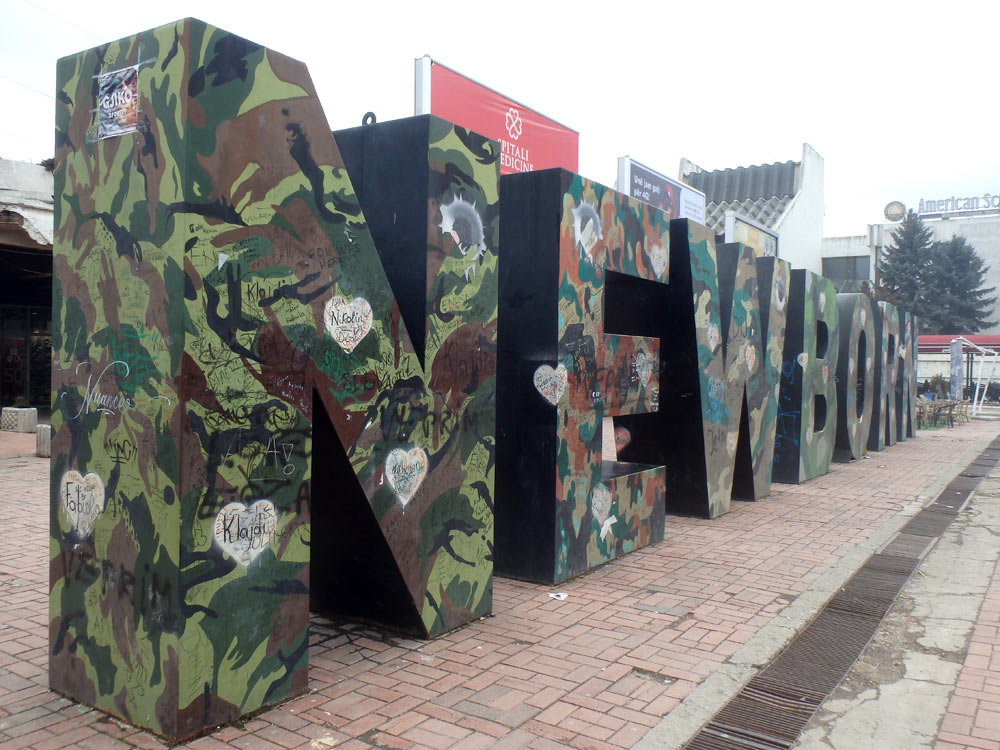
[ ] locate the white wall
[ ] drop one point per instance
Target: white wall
(839, 247)
(26, 189)
(929, 365)
(800, 230)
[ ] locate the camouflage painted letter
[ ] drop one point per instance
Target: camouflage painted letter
(560, 509)
(906, 377)
(807, 417)
(855, 376)
(712, 328)
(213, 269)
(429, 192)
(757, 323)
(883, 428)
(774, 278)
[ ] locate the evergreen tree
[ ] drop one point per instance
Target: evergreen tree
(939, 282)
(959, 303)
(903, 271)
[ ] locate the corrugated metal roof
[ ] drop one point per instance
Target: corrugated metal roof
(746, 183)
(765, 211)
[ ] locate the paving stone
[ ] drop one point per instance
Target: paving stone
(597, 670)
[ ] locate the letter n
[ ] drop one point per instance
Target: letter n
(140, 224)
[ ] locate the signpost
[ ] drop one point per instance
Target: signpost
(678, 200)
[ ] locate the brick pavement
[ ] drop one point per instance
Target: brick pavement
(973, 717)
(596, 670)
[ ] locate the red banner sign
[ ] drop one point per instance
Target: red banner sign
(528, 140)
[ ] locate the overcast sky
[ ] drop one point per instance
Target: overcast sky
(900, 98)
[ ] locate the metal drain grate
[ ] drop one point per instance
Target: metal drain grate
(767, 713)
(719, 738)
(929, 522)
(908, 545)
(771, 710)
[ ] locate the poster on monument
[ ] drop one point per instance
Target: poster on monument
(677, 200)
(117, 102)
(741, 229)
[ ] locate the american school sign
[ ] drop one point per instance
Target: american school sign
(984, 202)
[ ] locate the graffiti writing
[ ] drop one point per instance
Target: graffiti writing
(244, 532)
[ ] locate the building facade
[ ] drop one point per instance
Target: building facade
(25, 283)
(849, 260)
(781, 204)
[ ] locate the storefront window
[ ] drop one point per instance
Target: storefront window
(25, 355)
(847, 272)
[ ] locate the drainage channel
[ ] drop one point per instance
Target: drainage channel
(774, 707)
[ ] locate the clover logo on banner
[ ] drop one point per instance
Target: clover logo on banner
(513, 123)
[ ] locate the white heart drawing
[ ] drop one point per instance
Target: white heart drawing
(347, 321)
(803, 360)
(82, 499)
(405, 471)
(713, 337)
(644, 364)
(244, 531)
(551, 383)
(658, 259)
(600, 503)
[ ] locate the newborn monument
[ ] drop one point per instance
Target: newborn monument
(217, 289)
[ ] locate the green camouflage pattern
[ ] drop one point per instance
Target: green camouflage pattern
(738, 364)
(774, 278)
(906, 377)
(855, 367)
(599, 518)
(913, 353)
(883, 428)
(730, 358)
(211, 269)
(806, 430)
